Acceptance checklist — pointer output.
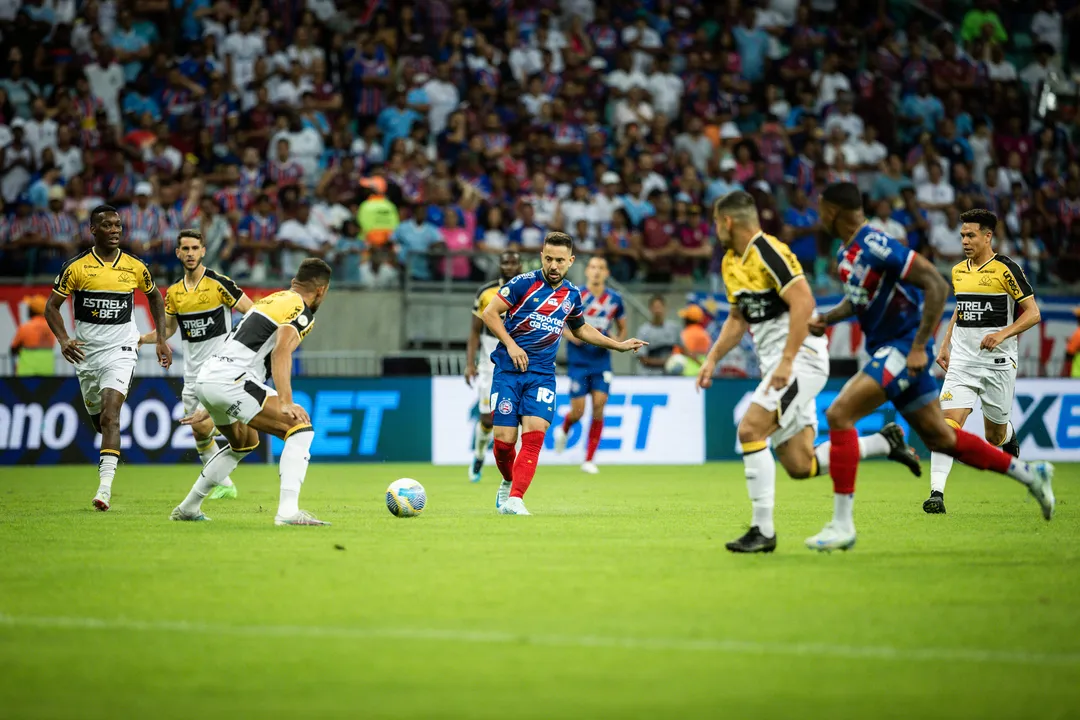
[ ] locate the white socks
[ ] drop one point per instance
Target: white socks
(844, 511)
(870, 446)
(208, 452)
(293, 468)
(213, 473)
(940, 467)
(760, 470)
(107, 471)
(481, 439)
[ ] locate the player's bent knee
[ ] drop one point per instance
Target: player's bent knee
(751, 433)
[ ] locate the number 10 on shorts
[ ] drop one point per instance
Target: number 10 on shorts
(545, 395)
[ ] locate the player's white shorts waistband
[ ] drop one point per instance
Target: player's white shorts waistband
(237, 401)
(994, 388)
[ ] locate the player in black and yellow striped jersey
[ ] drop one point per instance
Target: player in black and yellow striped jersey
(772, 300)
(479, 367)
(994, 304)
(232, 389)
(101, 283)
(200, 306)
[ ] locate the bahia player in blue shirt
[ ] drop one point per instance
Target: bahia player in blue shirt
(898, 298)
(537, 306)
(590, 366)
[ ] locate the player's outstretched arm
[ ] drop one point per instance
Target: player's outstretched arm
(800, 302)
(818, 323)
(923, 275)
(587, 333)
(157, 312)
(493, 319)
(731, 334)
(1029, 318)
(69, 347)
(288, 339)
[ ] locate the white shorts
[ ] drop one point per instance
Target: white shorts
(109, 369)
(796, 404)
(485, 371)
(189, 398)
(232, 401)
(994, 387)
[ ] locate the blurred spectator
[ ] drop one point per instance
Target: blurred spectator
(883, 220)
(694, 340)
(32, 346)
(414, 238)
(662, 336)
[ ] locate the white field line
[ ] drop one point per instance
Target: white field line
(705, 645)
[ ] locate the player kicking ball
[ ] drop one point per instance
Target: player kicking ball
(994, 304)
(231, 387)
(884, 287)
(771, 298)
(590, 366)
(200, 306)
(537, 306)
(105, 350)
(482, 370)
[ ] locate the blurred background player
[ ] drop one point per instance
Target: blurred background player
(884, 284)
(480, 369)
(590, 366)
(232, 388)
(770, 297)
(201, 306)
(102, 282)
(537, 306)
(661, 334)
(33, 344)
(994, 304)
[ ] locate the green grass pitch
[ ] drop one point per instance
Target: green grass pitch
(616, 599)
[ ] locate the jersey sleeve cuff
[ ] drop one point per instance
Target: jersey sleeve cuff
(907, 265)
(61, 293)
(791, 282)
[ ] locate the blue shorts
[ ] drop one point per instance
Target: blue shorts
(515, 395)
(584, 380)
(888, 368)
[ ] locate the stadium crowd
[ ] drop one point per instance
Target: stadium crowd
(380, 134)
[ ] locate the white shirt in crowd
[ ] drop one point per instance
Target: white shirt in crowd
(9, 9)
(940, 193)
(70, 161)
(243, 50)
(574, 210)
(667, 91)
(325, 10)
(1003, 71)
(106, 84)
(305, 236)
(920, 174)
(851, 156)
(625, 113)
(38, 134)
(1047, 27)
(534, 103)
(850, 123)
(1007, 176)
(946, 240)
(831, 85)
(444, 99)
(623, 81)
(890, 227)
(603, 208)
(649, 38)
(525, 60)
(308, 56)
(306, 148)
(652, 182)
(786, 9)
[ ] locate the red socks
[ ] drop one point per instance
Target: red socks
(525, 467)
(596, 429)
(505, 453)
(976, 452)
(843, 460)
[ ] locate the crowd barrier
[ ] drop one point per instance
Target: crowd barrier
(649, 421)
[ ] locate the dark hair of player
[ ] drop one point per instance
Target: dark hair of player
(844, 195)
(986, 220)
(190, 233)
(559, 239)
(314, 272)
(734, 203)
(657, 298)
(99, 211)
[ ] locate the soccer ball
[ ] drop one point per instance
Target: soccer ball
(405, 498)
(675, 364)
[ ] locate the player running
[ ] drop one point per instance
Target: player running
(481, 371)
(884, 284)
(231, 386)
(590, 366)
(200, 306)
(980, 348)
(538, 305)
(102, 282)
(771, 298)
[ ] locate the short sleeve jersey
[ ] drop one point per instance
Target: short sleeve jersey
(248, 348)
(535, 319)
(872, 268)
(755, 283)
(602, 312)
(204, 316)
(988, 297)
(103, 294)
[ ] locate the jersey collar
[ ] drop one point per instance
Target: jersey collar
(183, 279)
(119, 252)
(759, 233)
(992, 257)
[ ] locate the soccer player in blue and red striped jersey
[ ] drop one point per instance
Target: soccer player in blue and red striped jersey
(537, 306)
(898, 298)
(590, 367)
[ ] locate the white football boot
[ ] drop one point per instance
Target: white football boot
(502, 495)
(101, 500)
(589, 467)
(560, 440)
(1041, 489)
(832, 537)
(513, 506)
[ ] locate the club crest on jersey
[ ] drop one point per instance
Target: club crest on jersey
(204, 297)
(125, 276)
(985, 281)
(947, 395)
(505, 291)
(567, 306)
(506, 407)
